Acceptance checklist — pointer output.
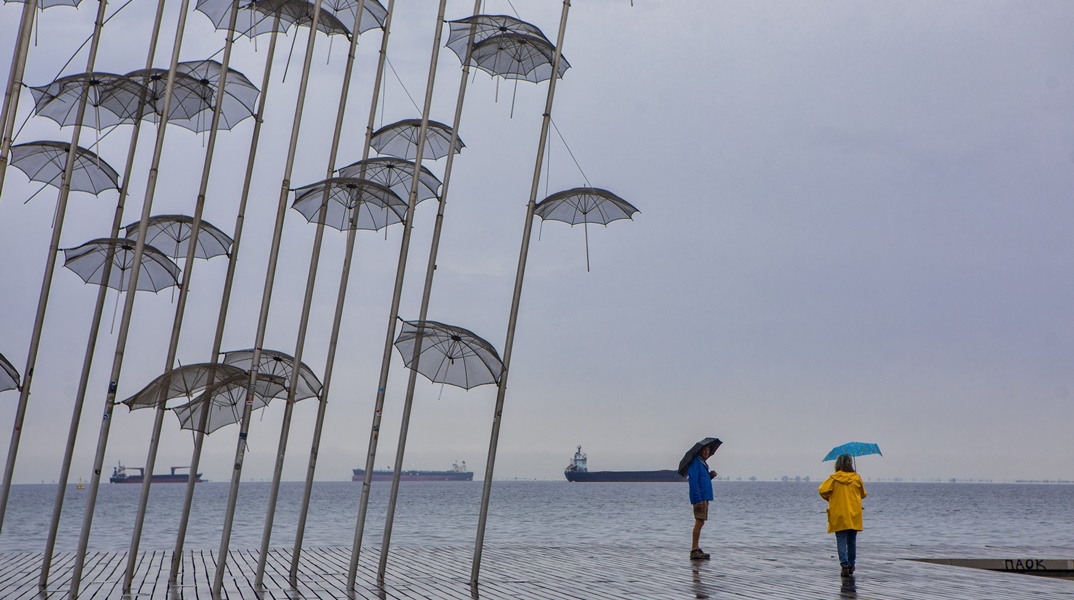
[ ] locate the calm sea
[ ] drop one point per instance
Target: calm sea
(555, 512)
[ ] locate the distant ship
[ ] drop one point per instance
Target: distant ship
(457, 473)
(119, 475)
(578, 470)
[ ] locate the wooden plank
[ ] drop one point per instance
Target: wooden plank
(519, 572)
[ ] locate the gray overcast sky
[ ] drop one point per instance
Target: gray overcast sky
(855, 225)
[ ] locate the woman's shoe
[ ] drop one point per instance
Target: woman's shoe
(845, 571)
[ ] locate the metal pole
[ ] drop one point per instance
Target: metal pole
(515, 300)
(128, 309)
(430, 270)
(307, 302)
(50, 267)
(400, 271)
(180, 306)
(266, 299)
(221, 319)
(341, 296)
(12, 92)
(95, 325)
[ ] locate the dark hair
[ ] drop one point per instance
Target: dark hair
(844, 463)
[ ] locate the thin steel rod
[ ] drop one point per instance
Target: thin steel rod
(527, 230)
(50, 268)
(430, 270)
(307, 303)
(12, 92)
(95, 323)
(221, 319)
(266, 299)
(341, 296)
(180, 305)
(128, 309)
(400, 271)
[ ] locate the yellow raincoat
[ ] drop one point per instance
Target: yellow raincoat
(843, 491)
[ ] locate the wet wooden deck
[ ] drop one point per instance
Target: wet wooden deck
(559, 573)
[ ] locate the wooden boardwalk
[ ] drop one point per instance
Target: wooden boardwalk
(555, 573)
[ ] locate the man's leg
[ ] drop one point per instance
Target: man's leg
(698, 524)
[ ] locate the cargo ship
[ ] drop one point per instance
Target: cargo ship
(120, 475)
(578, 470)
(458, 472)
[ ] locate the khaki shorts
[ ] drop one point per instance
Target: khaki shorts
(701, 511)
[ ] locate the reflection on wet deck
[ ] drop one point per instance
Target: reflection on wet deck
(562, 572)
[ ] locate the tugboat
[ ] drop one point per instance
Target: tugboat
(119, 475)
(578, 471)
(457, 473)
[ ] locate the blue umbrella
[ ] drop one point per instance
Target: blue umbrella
(853, 449)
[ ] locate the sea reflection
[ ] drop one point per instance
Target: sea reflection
(848, 588)
(700, 589)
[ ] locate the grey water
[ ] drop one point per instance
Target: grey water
(552, 513)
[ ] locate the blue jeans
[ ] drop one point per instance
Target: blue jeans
(846, 541)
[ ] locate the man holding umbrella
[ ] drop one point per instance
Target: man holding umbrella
(694, 467)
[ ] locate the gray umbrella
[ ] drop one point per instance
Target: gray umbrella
(400, 139)
(373, 13)
(183, 381)
(448, 354)
(224, 401)
(88, 260)
(396, 174)
(240, 95)
(517, 56)
(45, 162)
(584, 205)
(266, 16)
(9, 377)
(350, 203)
(171, 235)
(280, 365)
(114, 99)
(484, 27)
(189, 96)
(43, 4)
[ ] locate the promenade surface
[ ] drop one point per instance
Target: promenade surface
(557, 573)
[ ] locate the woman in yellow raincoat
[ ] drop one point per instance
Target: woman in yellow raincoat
(844, 490)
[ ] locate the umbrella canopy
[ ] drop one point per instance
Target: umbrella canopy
(240, 95)
(710, 442)
(584, 205)
(171, 235)
(110, 99)
(853, 449)
(189, 97)
(484, 27)
(278, 364)
(156, 273)
(449, 354)
(518, 56)
(9, 377)
(43, 4)
(395, 174)
(225, 400)
(400, 139)
(350, 203)
(184, 381)
(373, 13)
(45, 162)
(266, 16)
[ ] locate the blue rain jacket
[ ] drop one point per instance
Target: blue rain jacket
(700, 482)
